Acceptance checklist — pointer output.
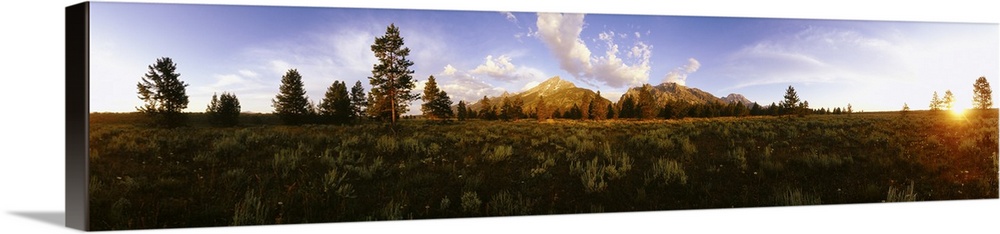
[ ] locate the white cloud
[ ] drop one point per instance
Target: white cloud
(680, 74)
(502, 68)
(463, 86)
(510, 17)
(248, 73)
(499, 67)
(561, 33)
(449, 70)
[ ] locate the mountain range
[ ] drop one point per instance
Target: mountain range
(562, 95)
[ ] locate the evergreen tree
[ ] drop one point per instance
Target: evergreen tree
(542, 109)
(596, 109)
(755, 109)
(646, 103)
(336, 104)
(463, 112)
(803, 108)
(516, 108)
(487, 111)
(574, 112)
(628, 108)
(224, 111)
(949, 100)
(982, 95)
(163, 93)
(391, 80)
(611, 111)
(291, 104)
(437, 104)
(358, 100)
(790, 105)
(936, 102)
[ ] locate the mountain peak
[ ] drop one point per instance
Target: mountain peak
(556, 81)
(551, 85)
(737, 98)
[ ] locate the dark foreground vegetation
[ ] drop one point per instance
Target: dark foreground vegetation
(261, 173)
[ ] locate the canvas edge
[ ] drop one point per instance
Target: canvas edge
(77, 106)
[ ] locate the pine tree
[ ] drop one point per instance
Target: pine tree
(391, 80)
(936, 102)
(224, 111)
(646, 104)
(982, 95)
(597, 110)
(542, 110)
(628, 109)
(790, 105)
(358, 100)
(437, 104)
(163, 93)
(487, 111)
(516, 110)
(611, 111)
(463, 113)
(291, 103)
(336, 104)
(949, 100)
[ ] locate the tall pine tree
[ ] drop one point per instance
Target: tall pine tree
(291, 104)
(392, 80)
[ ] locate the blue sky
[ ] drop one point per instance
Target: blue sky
(873, 65)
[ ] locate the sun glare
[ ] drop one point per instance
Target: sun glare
(958, 112)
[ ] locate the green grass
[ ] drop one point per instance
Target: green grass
(263, 173)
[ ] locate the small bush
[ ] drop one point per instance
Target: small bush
(250, 211)
(901, 195)
(445, 203)
(471, 203)
(499, 153)
(286, 161)
(668, 171)
(334, 182)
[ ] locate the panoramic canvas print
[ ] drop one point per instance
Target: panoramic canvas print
(227, 115)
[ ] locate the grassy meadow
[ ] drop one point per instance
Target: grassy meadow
(265, 173)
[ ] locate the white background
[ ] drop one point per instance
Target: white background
(32, 148)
